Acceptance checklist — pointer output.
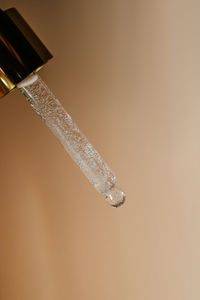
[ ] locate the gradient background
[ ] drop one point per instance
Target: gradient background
(128, 73)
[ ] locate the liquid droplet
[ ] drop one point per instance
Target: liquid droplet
(115, 196)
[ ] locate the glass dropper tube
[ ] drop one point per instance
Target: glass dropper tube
(43, 101)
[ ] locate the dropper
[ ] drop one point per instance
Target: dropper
(22, 54)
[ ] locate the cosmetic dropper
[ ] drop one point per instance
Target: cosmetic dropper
(22, 55)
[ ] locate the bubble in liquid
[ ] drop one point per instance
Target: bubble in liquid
(115, 196)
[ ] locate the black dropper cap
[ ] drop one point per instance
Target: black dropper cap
(21, 51)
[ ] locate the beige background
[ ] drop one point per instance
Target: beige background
(128, 73)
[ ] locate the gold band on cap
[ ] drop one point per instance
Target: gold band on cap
(5, 84)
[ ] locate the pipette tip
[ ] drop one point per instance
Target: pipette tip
(115, 196)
